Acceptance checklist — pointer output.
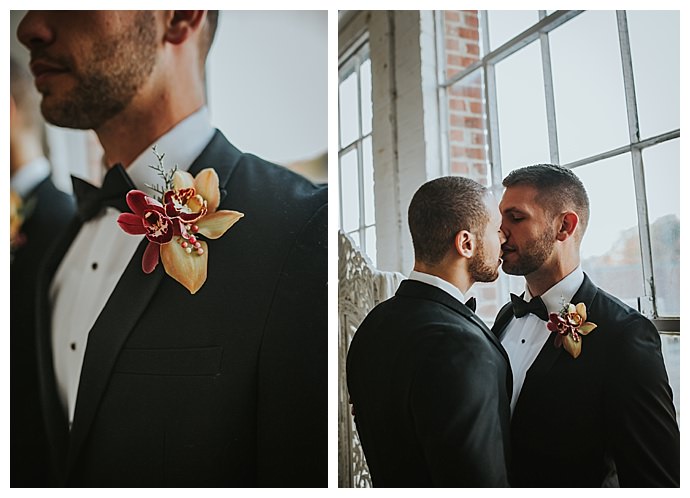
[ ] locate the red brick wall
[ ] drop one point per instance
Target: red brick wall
(466, 138)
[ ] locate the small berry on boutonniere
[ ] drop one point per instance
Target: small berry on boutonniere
(571, 324)
(173, 224)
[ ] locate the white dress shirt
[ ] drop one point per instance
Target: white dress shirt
(29, 176)
(439, 283)
(524, 337)
(100, 253)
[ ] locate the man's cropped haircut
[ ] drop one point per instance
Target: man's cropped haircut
(439, 210)
(559, 189)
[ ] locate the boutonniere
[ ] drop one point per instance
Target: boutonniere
(186, 210)
(571, 324)
(19, 212)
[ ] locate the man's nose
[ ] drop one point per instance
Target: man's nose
(34, 30)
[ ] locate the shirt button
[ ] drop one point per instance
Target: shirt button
(73, 346)
(523, 341)
(94, 265)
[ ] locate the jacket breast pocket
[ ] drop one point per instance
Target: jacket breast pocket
(204, 361)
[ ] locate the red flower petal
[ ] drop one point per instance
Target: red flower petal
(131, 223)
(136, 200)
(150, 259)
(159, 228)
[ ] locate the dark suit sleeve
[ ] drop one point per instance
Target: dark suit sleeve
(644, 435)
(456, 409)
(292, 393)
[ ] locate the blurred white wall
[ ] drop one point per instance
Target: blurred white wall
(268, 82)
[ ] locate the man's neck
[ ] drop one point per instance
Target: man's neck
(127, 135)
(456, 277)
(549, 275)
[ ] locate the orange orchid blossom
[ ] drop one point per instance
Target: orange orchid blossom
(189, 209)
(571, 324)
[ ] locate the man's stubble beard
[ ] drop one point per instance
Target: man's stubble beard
(479, 268)
(118, 67)
(529, 262)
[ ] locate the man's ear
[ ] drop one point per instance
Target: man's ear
(569, 223)
(465, 243)
(180, 26)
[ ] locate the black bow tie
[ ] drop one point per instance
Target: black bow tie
(471, 303)
(91, 200)
(535, 306)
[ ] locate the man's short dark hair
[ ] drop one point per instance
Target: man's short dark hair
(439, 210)
(558, 188)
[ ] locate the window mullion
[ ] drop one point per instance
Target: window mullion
(647, 303)
(549, 96)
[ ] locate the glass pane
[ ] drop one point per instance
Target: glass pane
(365, 81)
(662, 179)
(524, 137)
(355, 238)
(462, 40)
(611, 245)
(588, 86)
(466, 128)
(655, 49)
(505, 24)
(370, 236)
(349, 191)
(347, 100)
(670, 348)
(368, 173)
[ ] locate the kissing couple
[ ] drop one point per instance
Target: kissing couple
(569, 387)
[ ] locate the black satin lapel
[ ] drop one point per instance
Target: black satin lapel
(490, 335)
(55, 419)
(549, 353)
(546, 357)
(502, 319)
(129, 300)
(220, 155)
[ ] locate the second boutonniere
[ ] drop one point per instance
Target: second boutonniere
(571, 324)
(173, 224)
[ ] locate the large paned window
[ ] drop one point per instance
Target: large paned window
(355, 160)
(597, 92)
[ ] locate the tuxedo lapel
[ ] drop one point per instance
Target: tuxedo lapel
(54, 415)
(549, 353)
(220, 155)
(502, 319)
(129, 300)
(126, 304)
(420, 289)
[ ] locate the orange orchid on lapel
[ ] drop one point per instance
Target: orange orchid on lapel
(188, 209)
(571, 324)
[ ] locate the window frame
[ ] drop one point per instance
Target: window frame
(350, 62)
(540, 32)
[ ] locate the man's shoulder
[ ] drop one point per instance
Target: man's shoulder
(618, 321)
(420, 319)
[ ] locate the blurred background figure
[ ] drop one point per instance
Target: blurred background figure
(39, 211)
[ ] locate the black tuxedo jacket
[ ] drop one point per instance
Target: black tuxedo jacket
(430, 388)
(577, 421)
(51, 213)
(226, 387)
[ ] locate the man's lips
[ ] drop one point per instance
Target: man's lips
(44, 69)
